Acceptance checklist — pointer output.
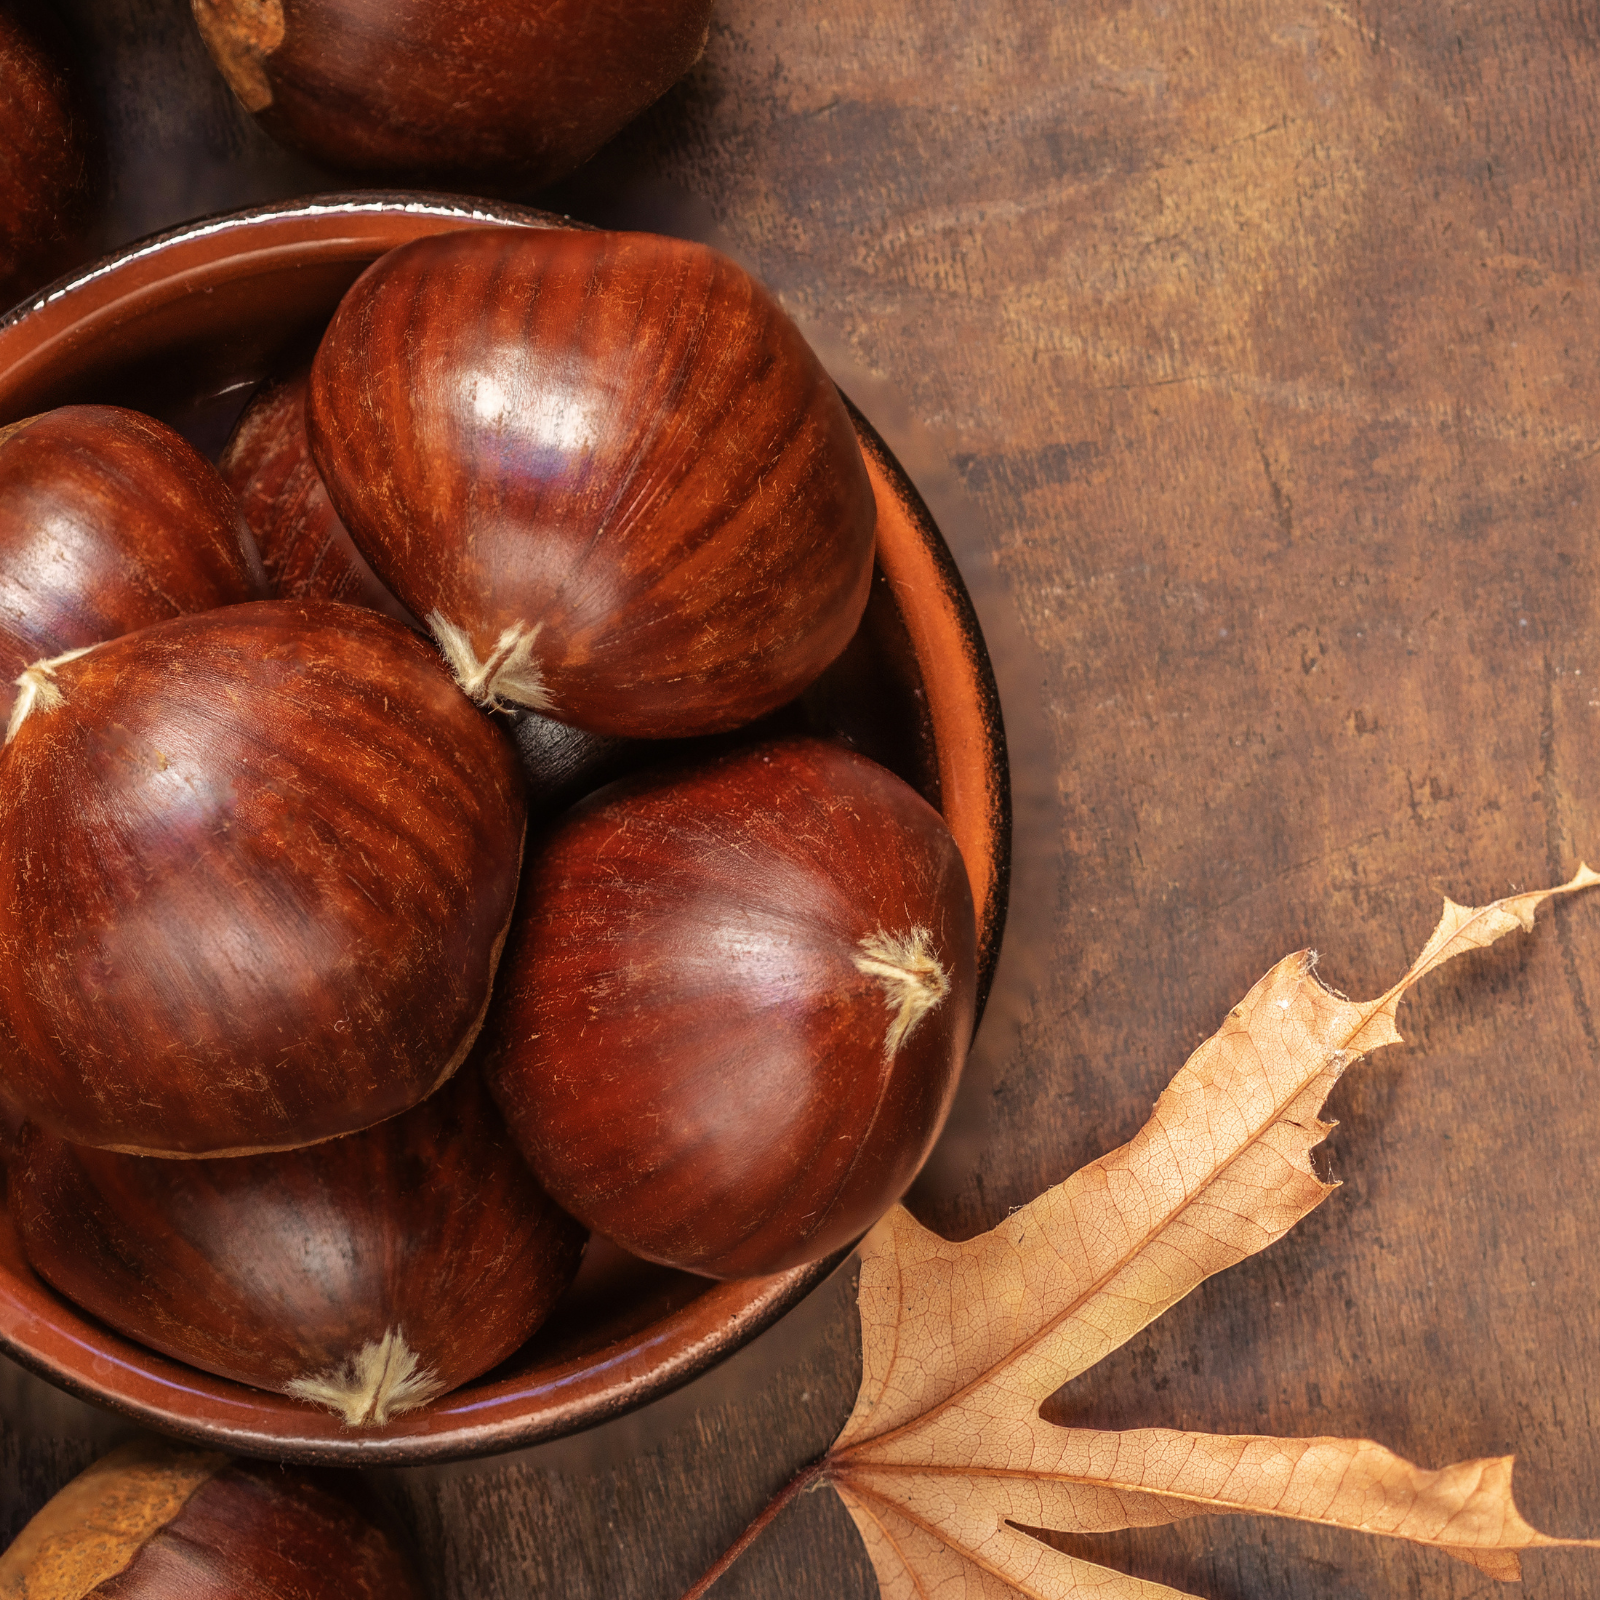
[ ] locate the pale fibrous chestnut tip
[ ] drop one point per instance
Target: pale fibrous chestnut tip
(37, 689)
(366, 1275)
(605, 468)
(385, 1378)
(913, 979)
(153, 1520)
(273, 912)
(736, 1004)
(510, 677)
(308, 554)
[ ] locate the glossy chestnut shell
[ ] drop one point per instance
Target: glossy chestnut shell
(608, 462)
(47, 175)
(308, 553)
(109, 521)
(737, 1004)
(153, 1522)
(304, 546)
(369, 1274)
(220, 303)
(255, 869)
(512, 92)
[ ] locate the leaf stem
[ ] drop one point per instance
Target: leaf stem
(798, 1484)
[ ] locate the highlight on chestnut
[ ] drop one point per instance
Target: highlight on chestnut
(505, 93)
(109, 521)
(369, 1274)
(605, 469)
(736, 1004)
(272, 911)
(308, 1077)
(308, 553)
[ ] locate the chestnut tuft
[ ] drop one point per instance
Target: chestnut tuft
(109, 521)
(304, 546)
(605, 469)
(369, 1274)
(515, 92)
(736, 1006)
(255, 869)
(153, 1521)
(309, 553)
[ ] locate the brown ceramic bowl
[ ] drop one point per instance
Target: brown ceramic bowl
(183, 325)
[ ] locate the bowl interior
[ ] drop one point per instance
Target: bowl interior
(184, 326)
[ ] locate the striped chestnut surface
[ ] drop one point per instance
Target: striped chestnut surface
(151, 1521)
(109, 521)
(605, 469)
(256, 866)
(227, 288)
(369, 1274)
(508, 92)
(307, 552)
(737, 1004)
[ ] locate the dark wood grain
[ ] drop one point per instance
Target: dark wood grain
(1245, 354)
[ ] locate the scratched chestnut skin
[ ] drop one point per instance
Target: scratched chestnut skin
(109, 521)
(304, 546)
(615, 443)
(687, 1050)
(427, 1230)
(512, 93)
(153, 1521)
(48, 154)
(255, 869)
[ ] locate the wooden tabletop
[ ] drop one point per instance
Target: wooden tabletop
(1246, 353)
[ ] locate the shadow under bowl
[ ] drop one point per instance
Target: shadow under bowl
(183, 326)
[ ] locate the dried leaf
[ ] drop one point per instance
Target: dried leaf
(945, 1452)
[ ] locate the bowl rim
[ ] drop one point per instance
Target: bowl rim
(46, 1333)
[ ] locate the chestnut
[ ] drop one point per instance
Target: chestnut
(47, 177)
(256, 866)
(304, 546)
(308, 552)
(369, 1274)
(604, 468)
(736, 1005)
(153, 1521)
(109, 521)
(513, 92)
